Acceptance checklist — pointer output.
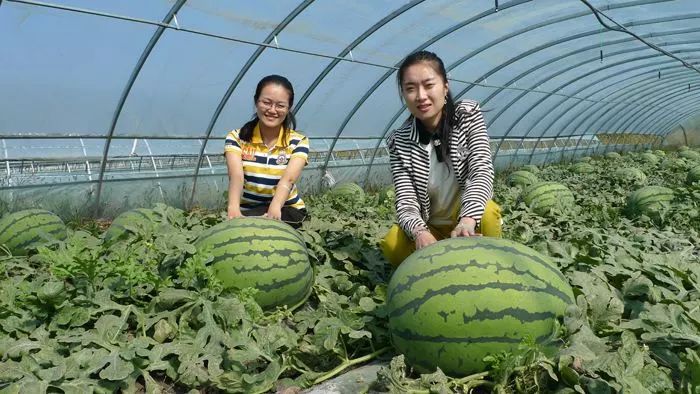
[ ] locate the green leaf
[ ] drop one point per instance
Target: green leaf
(117, 369)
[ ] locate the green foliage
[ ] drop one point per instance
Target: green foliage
(147, 314)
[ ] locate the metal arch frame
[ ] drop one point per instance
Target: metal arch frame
(557, 59)
(651, 122)
(560, 58)
(125, 93)
(571, 81)
(673, 123)
(624, 122)
(664, 118)
(241, 73)
(492, 43)
(639, 89)
(623, 91)
(578, 143)
(620, 93)
(357, 41)
(596, 110)
(637, 119)
(386, 75)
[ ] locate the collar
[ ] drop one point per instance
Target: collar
(257, 137)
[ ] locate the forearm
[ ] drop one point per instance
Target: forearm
(235, 190)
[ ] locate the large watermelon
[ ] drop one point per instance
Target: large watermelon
(690, 155)
(630, 175)
(582, 168)
(693, 175)
(543, 196)
(530, 168)
(23, 230)
(458, 300)
(126, 222)
(264, 254)
(522, 178)
(584, 159)
(349, 190)
(649, 200)
(612, 155)
(649, 158)
(659, 152)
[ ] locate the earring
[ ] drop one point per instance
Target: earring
(445, 99)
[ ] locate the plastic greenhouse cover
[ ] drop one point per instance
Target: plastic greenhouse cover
(540, 68)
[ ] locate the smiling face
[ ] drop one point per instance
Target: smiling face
(424, 90)
(272, 106)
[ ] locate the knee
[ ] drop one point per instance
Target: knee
(491, 221)
(396, 246)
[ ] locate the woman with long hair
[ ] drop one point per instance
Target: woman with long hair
(440, 163)
(265, 157)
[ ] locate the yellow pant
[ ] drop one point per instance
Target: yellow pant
(396, 246)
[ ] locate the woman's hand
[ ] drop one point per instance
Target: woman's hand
(234, 213)
(273, 212)
(424, 238)
(465, 228)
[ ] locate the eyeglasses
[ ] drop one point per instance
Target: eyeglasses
(267, 104)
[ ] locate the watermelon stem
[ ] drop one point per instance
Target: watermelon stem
(350, 362)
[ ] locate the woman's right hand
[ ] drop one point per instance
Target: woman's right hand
(234, 213)
(424, 238)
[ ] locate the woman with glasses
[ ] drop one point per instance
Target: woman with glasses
(265, 157)
(440, 163)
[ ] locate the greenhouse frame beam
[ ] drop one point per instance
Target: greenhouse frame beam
(681, 114)
(647, 120)
(491, 44)
(628, 120)
(622, 92)
(592, 111)
(577, 78)
(597, 83)
(357, 41)
(657, 131)
(648, 65)
(234, 84)
(125, 93)
(527, 72)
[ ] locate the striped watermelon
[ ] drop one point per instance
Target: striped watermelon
(649, 158)
(261, 253)
(530, 168)
(612, 155)
(690, 155)
(659, 152)
(124, 223)
(349, 190)
(693, 175)
(521, 178)
(683, 148)
(544, 196)
(458, 300)
(649, 200)
(24, 230)
(630, 175)
(582, 168)
(584, 159)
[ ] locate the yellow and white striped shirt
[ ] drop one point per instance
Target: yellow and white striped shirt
(263, 167)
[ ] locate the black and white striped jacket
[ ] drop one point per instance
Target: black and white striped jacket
(470, 156)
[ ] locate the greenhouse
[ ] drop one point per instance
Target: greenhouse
(564, 246)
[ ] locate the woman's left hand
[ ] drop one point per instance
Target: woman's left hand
(273, 213)
(465, 228)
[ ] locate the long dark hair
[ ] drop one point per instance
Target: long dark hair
(289, 123)
(448, 120)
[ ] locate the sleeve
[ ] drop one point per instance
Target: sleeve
(233, 142)
(480, 173)
(302, 150)
(407, 206)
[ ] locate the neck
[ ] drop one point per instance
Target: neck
(269, 134)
